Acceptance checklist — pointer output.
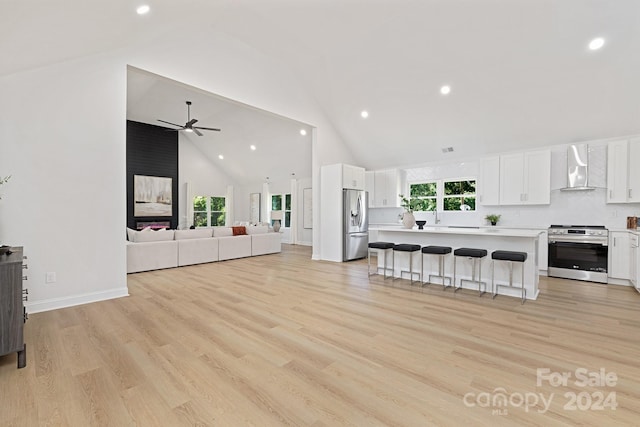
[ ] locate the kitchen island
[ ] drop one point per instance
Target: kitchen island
(491, 239)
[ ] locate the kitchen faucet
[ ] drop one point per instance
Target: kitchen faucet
(435, 213)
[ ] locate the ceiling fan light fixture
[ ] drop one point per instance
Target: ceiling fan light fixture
(188, 130)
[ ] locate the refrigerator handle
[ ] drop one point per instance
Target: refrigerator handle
(360, 210)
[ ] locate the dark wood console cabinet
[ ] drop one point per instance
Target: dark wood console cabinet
(12, 314)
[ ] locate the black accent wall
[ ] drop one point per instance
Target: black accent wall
(151, 151)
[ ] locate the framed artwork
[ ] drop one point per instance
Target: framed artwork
(307, 208)
(254, 208)
(152, 196)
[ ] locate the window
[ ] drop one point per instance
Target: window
(276, 205)
(444, 195)
(459, 195)
(208, 211)
(424, 196)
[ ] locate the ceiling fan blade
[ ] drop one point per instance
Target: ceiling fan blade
(190, 123)
(200, 127)
(164, 121)
(197, 131)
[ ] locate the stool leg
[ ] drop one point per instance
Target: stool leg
(524, 291)
(384, 263)
(455, 288)
(369, 262)
(480, 276)
(493, 283)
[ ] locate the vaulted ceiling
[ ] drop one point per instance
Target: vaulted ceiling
(520, 72)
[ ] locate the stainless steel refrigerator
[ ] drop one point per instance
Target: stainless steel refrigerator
(355, 239)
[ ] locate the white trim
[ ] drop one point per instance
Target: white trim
(64, 302)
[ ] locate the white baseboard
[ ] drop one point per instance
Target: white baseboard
(303, 243)
(63, 302)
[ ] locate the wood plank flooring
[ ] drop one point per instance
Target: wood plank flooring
(282, 340)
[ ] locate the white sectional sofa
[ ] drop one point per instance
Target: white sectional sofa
(153, 250)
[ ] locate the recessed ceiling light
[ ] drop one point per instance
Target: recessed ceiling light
(253, 147)
(445, 90)
(220, 156)
(364, 114)
(303, 132)
(141, 10)
(596, 43)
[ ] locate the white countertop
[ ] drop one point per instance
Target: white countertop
(488, 231)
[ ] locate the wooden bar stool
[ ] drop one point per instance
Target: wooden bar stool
(378, 247)
(510, 257)
(441, 252)
(475, 255)
(409, 248)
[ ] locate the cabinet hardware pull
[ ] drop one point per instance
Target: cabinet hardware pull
(610, 194)
(25, 292)
(25, 278)
(25, 267)
(629, 193)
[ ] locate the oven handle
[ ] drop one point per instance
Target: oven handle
(602, 242)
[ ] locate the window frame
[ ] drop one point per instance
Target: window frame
(209, 210)
(441, 196)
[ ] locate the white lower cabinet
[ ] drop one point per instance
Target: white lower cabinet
(619, 255)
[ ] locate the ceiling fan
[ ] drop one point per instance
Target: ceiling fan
(189, 126)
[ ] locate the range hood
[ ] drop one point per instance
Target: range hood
(578, 168)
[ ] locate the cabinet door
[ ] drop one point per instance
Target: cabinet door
(633, 187)
(619, 255)
(511, 179)
(352, 177)
(370, 187)
(617, 169)
(11, 314)
(381, 181)
(537, 177)
(489, 181)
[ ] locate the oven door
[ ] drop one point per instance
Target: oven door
(587, 261)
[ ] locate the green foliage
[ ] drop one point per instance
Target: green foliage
(457, 203)
(459, 187)
(200, 204)
(276, 202)
(217, 204)
(428, 189)
(492, 218)
(407, 204)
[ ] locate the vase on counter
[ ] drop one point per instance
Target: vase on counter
(408, 220)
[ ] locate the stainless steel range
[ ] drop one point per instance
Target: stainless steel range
(579, 252)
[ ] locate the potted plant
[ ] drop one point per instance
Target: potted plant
(492, 218)
(408, 220)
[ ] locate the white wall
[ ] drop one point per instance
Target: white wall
(63, 134)
(62, 129)
(203, 177)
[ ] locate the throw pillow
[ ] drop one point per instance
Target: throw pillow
(239, 230)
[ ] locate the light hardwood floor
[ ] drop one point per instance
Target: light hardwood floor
(283, 340)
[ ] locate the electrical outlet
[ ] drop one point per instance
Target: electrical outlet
(50, 277)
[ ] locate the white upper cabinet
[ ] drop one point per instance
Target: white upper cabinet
(385, 187)
(489, 181)
(352, 177)
(370, 187)
(623, 176)
(525, 178)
